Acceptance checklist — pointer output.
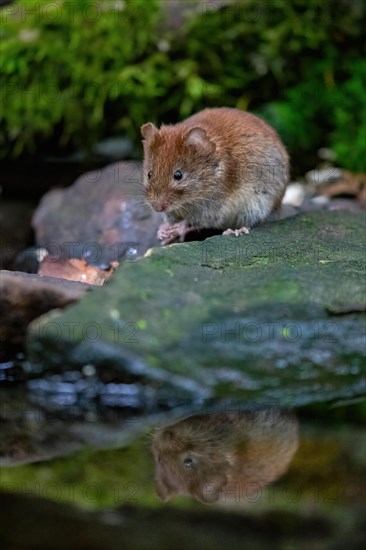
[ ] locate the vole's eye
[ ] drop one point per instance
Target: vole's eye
(188, 462)
(178, 175)
(149, 175)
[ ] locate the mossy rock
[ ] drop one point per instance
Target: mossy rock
(274, 316)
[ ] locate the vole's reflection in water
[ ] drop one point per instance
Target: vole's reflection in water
(224, 457)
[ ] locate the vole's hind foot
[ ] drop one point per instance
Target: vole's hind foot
(168, 233)
(236, 232)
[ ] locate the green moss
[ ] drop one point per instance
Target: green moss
(81, 71)
(270, 322)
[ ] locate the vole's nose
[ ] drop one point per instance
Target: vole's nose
(160, 205)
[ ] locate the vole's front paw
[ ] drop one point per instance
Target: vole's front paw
(168, 233)
(236, 232)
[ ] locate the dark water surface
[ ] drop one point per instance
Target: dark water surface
(91, 466)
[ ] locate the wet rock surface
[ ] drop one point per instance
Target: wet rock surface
(256, 315)
(26, 296)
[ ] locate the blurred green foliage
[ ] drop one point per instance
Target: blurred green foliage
(63, 64)
(78, 71)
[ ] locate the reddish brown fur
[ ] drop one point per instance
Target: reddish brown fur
(234, 455)
(235, 176)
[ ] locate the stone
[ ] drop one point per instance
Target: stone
(231, 317)
(101, 218)
(23, 297)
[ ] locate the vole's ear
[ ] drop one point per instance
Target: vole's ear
(148, 130)
(198, 138)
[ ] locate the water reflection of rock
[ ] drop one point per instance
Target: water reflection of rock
(224, 457)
